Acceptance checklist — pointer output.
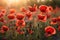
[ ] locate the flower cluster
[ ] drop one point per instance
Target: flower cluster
(43, 14)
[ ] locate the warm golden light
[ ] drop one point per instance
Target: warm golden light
(43, 0)
(12, 1)
(38, 1)
(15, 2)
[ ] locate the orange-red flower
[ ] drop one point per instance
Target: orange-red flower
(12, 11)
(20, 16)
(4, 28)
(50, 9)
(11, 16)
(33, 9)
(54, 21)
(49, 31)
(20, 23)
(29, 15)
(42, 18)
(43, 8)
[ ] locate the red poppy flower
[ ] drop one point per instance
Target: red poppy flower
(42, 18)
(12, 11)
(29, 15)
(11, 16)
(50, 8)
(33, 9)
(20, 23)
(43, 8)
(20, 16)
(54, 21)
(4, 28)
(23, 9)
(49, 31)
(20, 31)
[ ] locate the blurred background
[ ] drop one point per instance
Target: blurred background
(19, 3)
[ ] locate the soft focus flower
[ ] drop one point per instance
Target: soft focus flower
(29, 16)
(12, 11)
(11, 16)
(53, 21)
(4, 28)
(20, 31)
(42, 18)
(33, 9)
(23, 9)
(20, 23)
(49, 11)
(43, 8)
(50, 8)
(49, 31)
(20, 16)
